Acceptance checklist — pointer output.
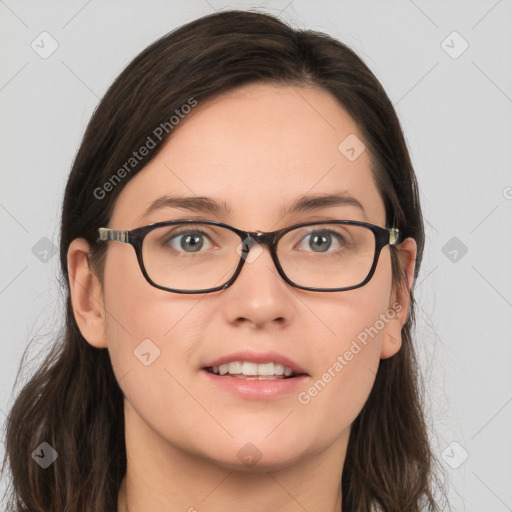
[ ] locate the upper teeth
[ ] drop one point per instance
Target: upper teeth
(246, 368)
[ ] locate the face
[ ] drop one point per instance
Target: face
(258, 149)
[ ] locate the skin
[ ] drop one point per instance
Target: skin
(182, 435)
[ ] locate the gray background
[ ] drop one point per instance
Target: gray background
(455, 109)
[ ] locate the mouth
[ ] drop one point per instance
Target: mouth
(256, 376)
(247, 370)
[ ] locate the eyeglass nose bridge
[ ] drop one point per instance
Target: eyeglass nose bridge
(257, 237)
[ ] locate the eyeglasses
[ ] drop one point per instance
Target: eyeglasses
(203, 256)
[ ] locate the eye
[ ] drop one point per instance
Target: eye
(322, 240)
(188, 241)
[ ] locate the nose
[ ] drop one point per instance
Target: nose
(259, 295)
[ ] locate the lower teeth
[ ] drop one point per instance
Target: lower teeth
(252, 377)
(256, 377)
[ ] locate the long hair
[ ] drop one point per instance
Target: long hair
(73, 402)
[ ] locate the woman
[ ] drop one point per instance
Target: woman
(252, 350)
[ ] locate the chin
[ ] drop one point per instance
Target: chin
(259, 456)
(258, 466)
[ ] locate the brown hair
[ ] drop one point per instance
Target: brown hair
(73, 401)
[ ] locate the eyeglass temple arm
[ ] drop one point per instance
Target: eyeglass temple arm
(115, 235)
(395, 237)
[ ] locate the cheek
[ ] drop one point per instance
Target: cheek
(135, 309)
(130, 300)
(149, 332)
(348, 349)
(142, 322)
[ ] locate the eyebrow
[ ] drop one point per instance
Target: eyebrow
(204, 204)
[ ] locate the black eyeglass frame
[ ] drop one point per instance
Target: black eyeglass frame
(135, 237)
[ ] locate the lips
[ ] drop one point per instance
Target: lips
(255, 388)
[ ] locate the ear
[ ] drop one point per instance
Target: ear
(86, 295)
(400, 300)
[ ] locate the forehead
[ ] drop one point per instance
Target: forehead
(257, 149)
